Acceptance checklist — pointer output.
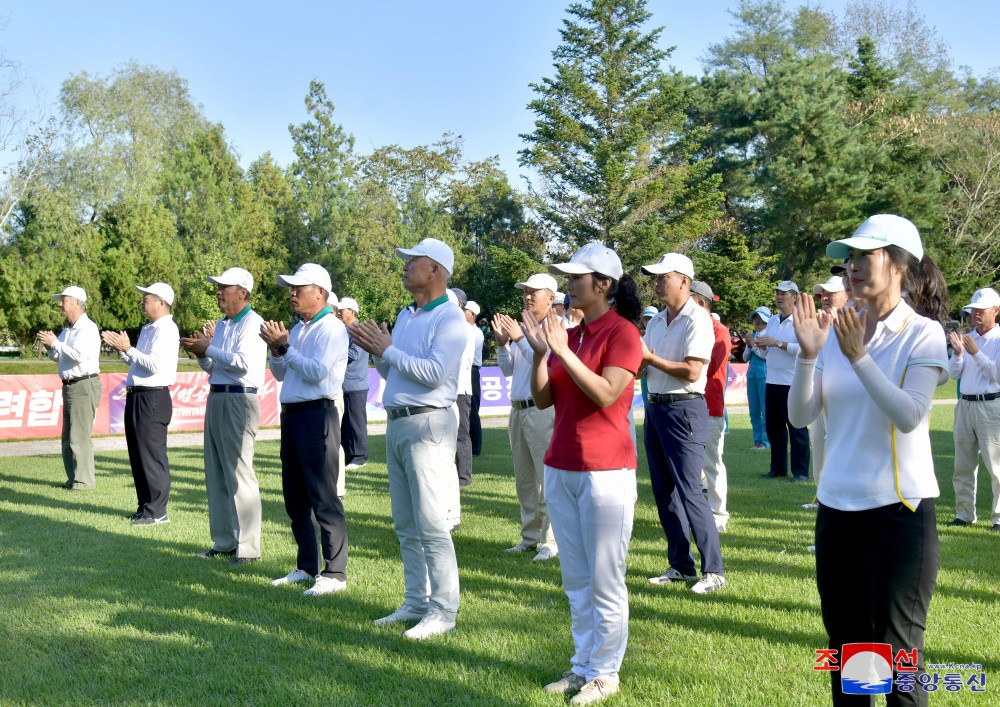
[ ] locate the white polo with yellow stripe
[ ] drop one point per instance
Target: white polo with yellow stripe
(869, 461)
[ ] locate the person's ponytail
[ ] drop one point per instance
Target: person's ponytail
(925, 288)
(626, 300)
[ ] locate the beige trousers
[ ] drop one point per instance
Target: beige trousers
(976, 431)
(530, 432)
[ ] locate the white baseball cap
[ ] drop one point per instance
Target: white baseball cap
(787, 286)
(71, 291)
(540, 281)
(650, 312)
(834, 284)
(460, 293)
(453, 298)
(878, 232)
(350, 303)
(984, 299)
(559, 297)
(233, 276)
(671, 262)
(307, 274)
(473, 307)
(593, 257)
(763, 312)
(161, 289)
(436, 250)
(331, 299)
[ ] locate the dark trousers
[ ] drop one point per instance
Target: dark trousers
(675, 437)
(780, 431)
(475, 424)
(310, 441)
(875, 571)
(147, 414)
(463, 445)
(354, 427)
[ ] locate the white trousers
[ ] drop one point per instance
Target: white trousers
(714, 470)
(976, 431)
(592, 514)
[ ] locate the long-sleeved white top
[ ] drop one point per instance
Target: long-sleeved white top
(477, 359)
(514, 359)
(878, 449)
(237, 354)
(468, 359)
(780, 364)
(979, 373)
(421, 366)
(152, 362)
(77, 349)
(313, 367)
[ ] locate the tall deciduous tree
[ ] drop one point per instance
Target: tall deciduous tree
(610, 141)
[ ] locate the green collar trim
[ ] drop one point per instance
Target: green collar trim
(432, 304)
(321, 313)
(243, 313)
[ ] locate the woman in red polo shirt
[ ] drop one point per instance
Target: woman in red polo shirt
(590, 465)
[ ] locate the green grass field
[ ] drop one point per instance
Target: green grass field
(96, 611)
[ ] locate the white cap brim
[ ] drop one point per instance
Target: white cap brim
(569, 269)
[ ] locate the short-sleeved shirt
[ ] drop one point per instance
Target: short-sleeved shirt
(718, 370)
(587, 437)
(688, 335)
(869, 463)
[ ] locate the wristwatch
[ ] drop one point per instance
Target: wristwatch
(282, 350)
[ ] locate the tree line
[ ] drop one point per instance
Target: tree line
(802, 124)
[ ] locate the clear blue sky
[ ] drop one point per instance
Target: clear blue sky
(398, 71)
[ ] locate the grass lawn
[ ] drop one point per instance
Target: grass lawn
(95, 611)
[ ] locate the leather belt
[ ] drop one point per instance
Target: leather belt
(321, 404)
(981, 398)
(522, 404)
(668, 398)
(145, 388)
(396, 413)
(71, 381)
(220, 388)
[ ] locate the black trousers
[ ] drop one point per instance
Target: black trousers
(310, 438)
(463, 445)
(875, 571)
(147, 414)
(475, 424)
(354, 427)
(780, 431)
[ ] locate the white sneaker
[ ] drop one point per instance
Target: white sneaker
(812, 506)
(709, 582)
(522, 546)
(403, 614)
(433, 624)
(293, 577)
(721, 528)
(672, 575)
(353, 465)
(595, 691)
(545, 552)
(325, 585)
(569, 684)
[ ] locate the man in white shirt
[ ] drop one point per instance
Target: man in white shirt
(779, 346)
(354, 425)
(463, 443)
(420, 362)
(529, 427)
(77, 350)
(233, 354)
(833, 296)
(152, 370)
(311, 361)
(472, 311)
(977, 412)
(677, 348)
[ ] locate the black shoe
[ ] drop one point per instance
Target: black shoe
(209, 554)
(236, 561)
(957, 523)
(772, 475)
(996, 528)
(145, 520)
(133, 516)
(799, 479)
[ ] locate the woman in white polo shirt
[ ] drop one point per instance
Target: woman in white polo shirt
(877, 552)
(590, 485)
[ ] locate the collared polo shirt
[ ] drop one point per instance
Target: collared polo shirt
(356, 377)
(421, 366)
(514, 359)
(314, 366)
(979, 373)
(587, 437)
(781, 364)
(468, 360)
(688, 335)
(237, 354)
(477, 334)
(77, 349)
(869, 463)
(152, 362)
